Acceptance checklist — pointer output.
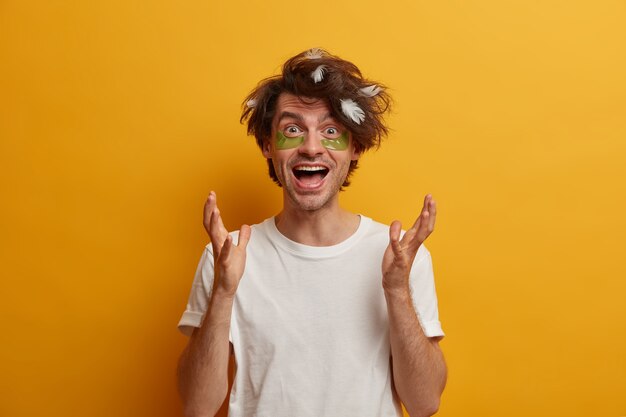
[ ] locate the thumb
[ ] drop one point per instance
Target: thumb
(244, 236)
(394, 237)
(225, 252)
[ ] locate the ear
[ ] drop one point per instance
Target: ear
(356, 154)
(266, 149)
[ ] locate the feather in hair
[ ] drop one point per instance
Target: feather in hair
(314, 53)
(318, 74)
(251, 103)
(352, 110)
(370, 90)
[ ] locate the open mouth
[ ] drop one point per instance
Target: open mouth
(309, 175)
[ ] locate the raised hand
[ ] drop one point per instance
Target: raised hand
(229, 259)
(400, 253)
(214, 225)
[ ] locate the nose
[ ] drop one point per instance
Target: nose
(312, 145)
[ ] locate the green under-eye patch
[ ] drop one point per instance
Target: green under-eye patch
(283, 142)
(339, 144)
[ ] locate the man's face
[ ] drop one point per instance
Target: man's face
(310, 150)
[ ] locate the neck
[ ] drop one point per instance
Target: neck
(326, 226)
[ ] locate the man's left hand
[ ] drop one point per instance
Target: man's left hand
(400, 253)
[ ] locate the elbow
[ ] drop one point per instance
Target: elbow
(190, 412)
(202, 403)
(432, 409)
(426, 409)
(199, 400)
(193, 413)
(208, 407)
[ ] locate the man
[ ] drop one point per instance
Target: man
(326, 312)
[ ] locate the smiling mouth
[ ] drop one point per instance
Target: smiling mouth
(310, 175)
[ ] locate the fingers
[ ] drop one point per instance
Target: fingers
(427, 200)
(430, 211)
(433, 215)
(419, 222)
(244, 236)
(427, 218)
(424, 224)
(220, 224)
(213, 223)
(425, 208)
(422, 232)
(229, 246)
(217, 239)
(209, 206)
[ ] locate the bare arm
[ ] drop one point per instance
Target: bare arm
(419, 370)
(203, 365)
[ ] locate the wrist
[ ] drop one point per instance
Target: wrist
(225, 287)
(222, 295)
(219, 310)
(400, 293)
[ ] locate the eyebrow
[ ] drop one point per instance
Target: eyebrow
(298, 117)
(290, 115)
(324, 117)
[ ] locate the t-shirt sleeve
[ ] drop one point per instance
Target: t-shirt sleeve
(423, 294)
(199, 295)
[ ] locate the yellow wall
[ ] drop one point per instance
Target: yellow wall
(118, 117)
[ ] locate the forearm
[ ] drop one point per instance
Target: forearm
(419, 370)
(203, 366)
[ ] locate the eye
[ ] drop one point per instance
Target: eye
(292, 131)
(331, 132)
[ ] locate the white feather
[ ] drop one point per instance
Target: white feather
(318, 74)
(251, 103)
(370, 90)
(314, 53)
(352, 110)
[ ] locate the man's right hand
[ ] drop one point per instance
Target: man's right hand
(229, 259)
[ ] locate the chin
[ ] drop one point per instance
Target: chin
(310, 202)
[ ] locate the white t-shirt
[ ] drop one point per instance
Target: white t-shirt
(309, 324)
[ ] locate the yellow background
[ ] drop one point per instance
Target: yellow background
(118, 117)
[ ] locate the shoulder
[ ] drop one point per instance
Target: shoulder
(373, 227)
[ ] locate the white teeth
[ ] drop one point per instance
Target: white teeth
(305, 168)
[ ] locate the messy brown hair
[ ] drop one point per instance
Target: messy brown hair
(341, 80)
